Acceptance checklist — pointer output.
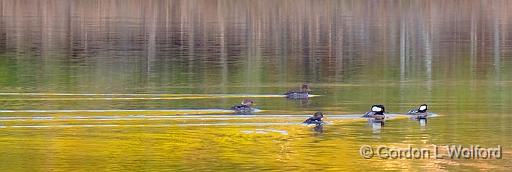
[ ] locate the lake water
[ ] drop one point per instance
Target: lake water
(139, 85)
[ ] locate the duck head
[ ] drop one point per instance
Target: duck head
(379, 109)
(318, 115)
(247, 102)
(423, 108)
(305, 88)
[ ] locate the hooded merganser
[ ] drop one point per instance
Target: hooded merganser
(302, 93)
(245, 107)
(420, 113)
(376, 113)
(315, 119)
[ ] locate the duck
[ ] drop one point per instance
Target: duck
(376, 114)
(420, 113)
(316, 119)
(245, 107)
(302, 93)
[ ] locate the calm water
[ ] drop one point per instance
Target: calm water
(142, 85)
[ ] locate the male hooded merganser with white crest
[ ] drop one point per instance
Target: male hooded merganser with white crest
(302, 93)
(376, 113)
(420, 113)
(245, 107)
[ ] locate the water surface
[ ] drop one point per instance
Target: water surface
(144, 85)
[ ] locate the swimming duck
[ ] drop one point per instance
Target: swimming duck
(302, 93)
(376, 114)
(420, 113)
(245, 107)
(315, 119)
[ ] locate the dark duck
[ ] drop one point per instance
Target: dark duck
(420, 113)
(302, 93)
(245, 107)
(376, 113)
(315, 119)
